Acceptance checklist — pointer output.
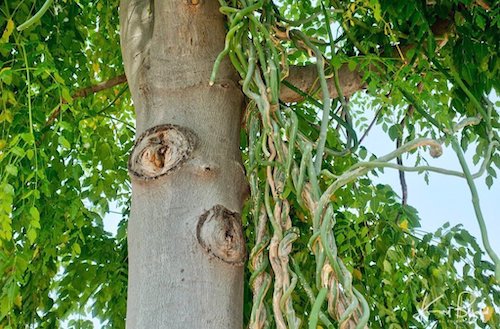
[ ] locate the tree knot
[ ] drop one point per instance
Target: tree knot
(220, 233)
(160, 151)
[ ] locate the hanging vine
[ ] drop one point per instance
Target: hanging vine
(286, 171)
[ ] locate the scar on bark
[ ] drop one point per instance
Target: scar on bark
(160, 151)
(220, 233)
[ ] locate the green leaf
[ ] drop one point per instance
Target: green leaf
(5, 307)
(35, 215)
(387, 266)
(35, 218)
(9, 28)
(66, 95)
(7, 189)
(395, 131)
(31, 234)
(28, 138)
(6, 75)
(58, 78)
(6, 115)
(489, 181)
(30, 154)
(352, 65)
(76, 248)
(336, 62)
(362, 152)
(18, 151)
(377, 12)
(11, 169)
(64, 142)
(481, 22)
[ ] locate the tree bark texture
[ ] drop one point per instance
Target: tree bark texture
(186, 248)
(306, 77)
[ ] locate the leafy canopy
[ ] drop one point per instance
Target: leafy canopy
(328, 245)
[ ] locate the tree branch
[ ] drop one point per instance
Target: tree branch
(305, 77)
(370, 126)
(402, 178)
(84, 92)
(100, 86)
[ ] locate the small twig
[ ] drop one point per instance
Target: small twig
(370, 126)
(84, 92)
(402, 178)
(100, 86)
(399, 159)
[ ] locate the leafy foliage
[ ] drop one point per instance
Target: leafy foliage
(426, 65)
(63, 162)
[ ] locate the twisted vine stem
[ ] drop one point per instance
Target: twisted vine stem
(284, 165)
(273, 171)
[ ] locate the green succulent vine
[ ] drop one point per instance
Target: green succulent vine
(286, 168)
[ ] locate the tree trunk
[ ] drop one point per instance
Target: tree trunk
(186, 248)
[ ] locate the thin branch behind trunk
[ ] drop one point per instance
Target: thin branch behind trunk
(84, 92)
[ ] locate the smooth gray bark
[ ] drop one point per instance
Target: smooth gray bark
(169, 47)
(304, 77)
